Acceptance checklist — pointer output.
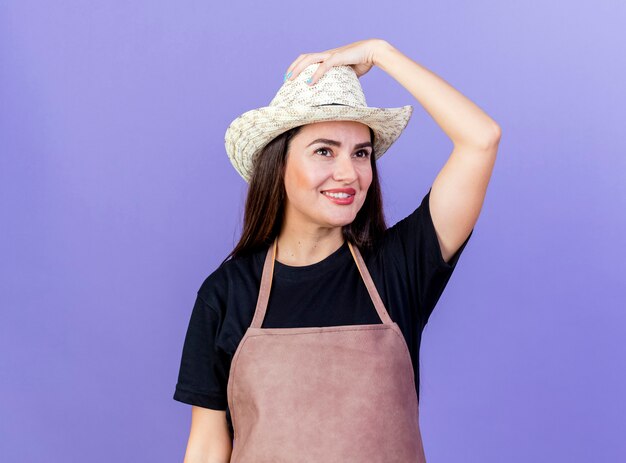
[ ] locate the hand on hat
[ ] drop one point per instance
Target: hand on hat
(360, 55)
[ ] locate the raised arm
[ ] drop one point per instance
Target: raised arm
(459, 189)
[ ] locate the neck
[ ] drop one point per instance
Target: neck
(302, 248)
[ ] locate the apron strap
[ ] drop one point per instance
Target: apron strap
(266, 285)
(268, 273)
(369, 284)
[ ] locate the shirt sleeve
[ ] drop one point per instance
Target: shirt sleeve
(414, 247)
(203, 373)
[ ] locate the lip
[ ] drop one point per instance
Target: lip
(342, 201)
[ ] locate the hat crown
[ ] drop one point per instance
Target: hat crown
(338, 85)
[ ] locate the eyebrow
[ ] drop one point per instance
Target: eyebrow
(336, 143)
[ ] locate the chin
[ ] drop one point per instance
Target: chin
(340, 221)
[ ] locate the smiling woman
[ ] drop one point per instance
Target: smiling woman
(311, 173)
(327, 368)
(289, 178)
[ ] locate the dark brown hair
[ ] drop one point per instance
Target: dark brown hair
(265, 202)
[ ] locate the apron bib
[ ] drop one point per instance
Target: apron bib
(323, 394)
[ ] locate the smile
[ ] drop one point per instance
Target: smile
(340, 198)
(337, 195)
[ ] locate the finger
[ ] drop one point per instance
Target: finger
(303, 62)
(294, 63)
(322, 68)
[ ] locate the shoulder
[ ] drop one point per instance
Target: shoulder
(232, 276)
(414, 221)
(396, 241)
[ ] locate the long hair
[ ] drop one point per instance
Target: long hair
(265, 202)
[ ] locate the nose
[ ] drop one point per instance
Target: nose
(344, 169)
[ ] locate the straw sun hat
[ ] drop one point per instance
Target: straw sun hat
(336, 96)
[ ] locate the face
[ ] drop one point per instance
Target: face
(340, 164)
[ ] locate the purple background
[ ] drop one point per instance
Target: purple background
(117, 200)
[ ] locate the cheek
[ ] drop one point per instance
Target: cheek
(303, 178)
(300, 180)
(365, 176)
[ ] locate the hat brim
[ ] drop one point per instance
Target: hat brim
(247, 135)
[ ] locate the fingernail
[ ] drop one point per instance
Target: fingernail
(308, 81)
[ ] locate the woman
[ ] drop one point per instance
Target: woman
(326, 369)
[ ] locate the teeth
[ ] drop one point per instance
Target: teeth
(337, 195)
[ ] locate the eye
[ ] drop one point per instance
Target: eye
(321, 149)
(359, 154)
